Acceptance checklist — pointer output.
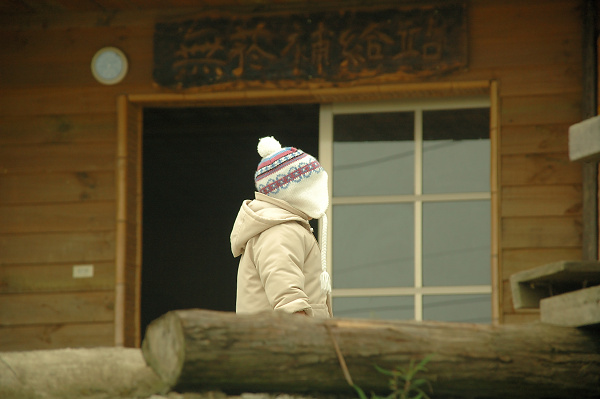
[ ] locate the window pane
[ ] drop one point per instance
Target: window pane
(373, 246)
(373, 154)
(387, 307)
(456, 243)
(456, 151)
(376, 126)
(458, 308)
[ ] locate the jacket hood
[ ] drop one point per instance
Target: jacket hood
(260, 214)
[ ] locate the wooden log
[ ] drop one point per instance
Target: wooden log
(77, 373)
(201, 350)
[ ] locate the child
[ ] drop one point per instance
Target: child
(281, 267)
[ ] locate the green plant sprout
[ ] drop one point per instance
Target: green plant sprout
(403, 383)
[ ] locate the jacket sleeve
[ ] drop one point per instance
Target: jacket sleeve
(279, 258)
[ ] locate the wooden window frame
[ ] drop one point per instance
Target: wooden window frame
(417, 106)
(129, 195)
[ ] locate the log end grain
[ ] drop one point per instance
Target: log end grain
(164, 347)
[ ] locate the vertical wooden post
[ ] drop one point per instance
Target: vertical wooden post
(128, 225)
(496, 264)
(121, 229)
(590, 169)
(137, 287)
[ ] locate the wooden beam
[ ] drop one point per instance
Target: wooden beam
(371, 92)
(575, 309)
(590, 169)
(496, 204)
(530, 286)
(128, 224)
(121, 222)
(590, 215)
(590, 61)
(584, 140)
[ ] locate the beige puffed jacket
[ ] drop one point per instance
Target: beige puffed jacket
(281, 261)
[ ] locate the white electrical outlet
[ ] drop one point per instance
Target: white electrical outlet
(83, 271)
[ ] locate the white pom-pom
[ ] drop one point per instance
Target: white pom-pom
(268, 146)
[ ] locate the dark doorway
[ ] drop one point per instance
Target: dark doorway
(198, 166)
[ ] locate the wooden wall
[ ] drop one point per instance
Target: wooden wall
(58, 150)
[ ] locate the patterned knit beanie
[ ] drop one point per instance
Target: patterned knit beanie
(296, 177)
(292, 175)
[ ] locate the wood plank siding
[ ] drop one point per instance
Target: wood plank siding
(58, 155)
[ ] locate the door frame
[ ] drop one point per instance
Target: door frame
(129, 195)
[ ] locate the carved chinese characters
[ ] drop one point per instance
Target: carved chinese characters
(405, 43)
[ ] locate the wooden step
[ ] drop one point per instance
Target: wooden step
(584, 140)
(579, 308)
(530, 286)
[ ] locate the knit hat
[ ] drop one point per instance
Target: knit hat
(296, 177)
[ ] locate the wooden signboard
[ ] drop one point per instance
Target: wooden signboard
(410, 43)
